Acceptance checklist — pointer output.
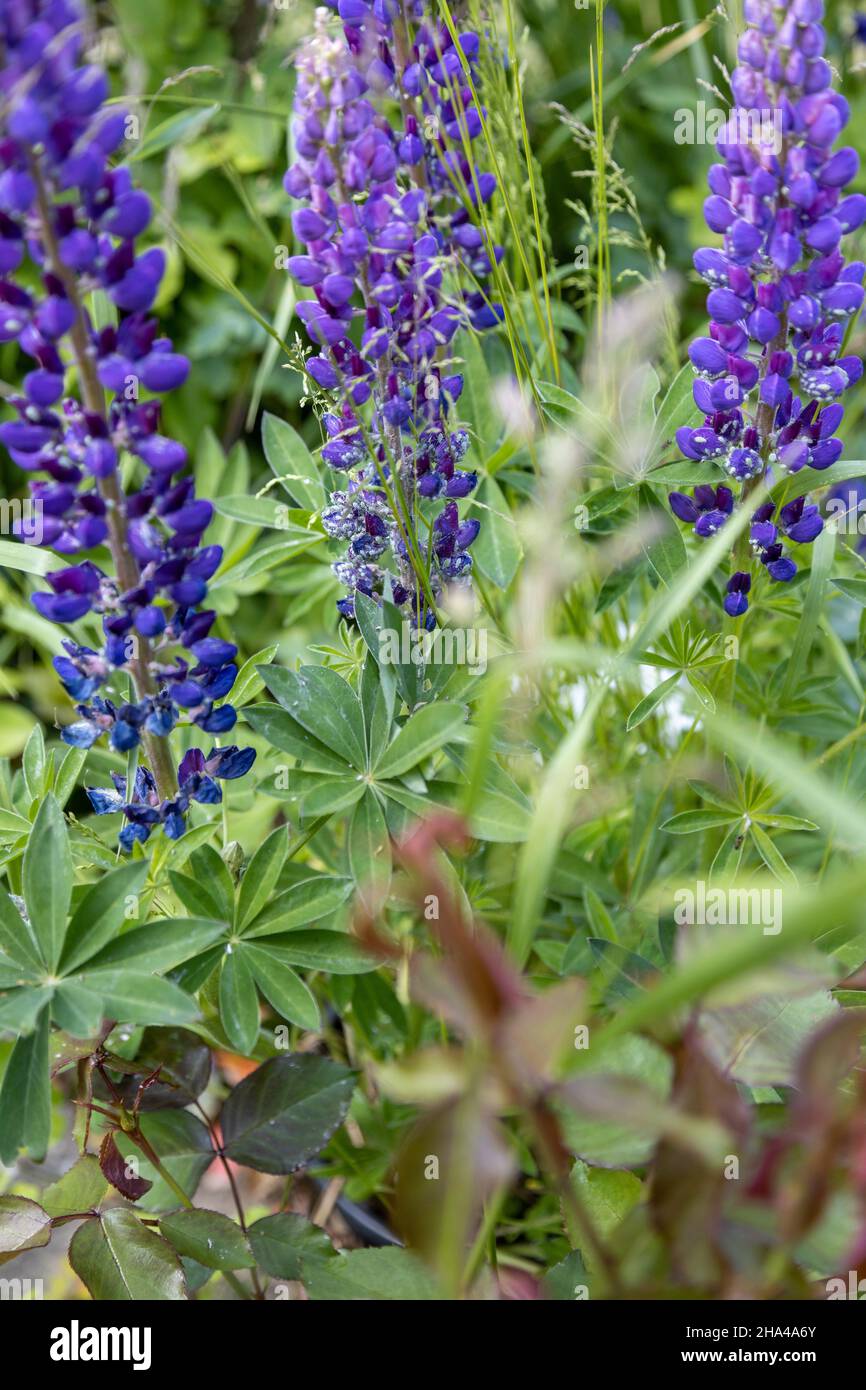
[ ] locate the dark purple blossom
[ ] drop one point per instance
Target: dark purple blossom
(70, 217)
(196, 776)
(773, 364)
(384, 219)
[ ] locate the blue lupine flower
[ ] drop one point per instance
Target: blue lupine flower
(196, 777)
(75, 217)
(781, 294)
(387, 233)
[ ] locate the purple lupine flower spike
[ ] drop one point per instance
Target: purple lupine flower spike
(384, 225)
(75, 217)
(771, 370)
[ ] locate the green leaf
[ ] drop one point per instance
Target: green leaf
(645, 707)
(17, 938)
(27, 559)
(25, 1097)
(291, 461)
(335, 952)
(325, 704)
(120, 1260)
(783, 822)
(852, 588)
(501, 815)
(100, 914)
(686, 473)
(271, 554)
(283, 732)
(497, 551)
(20, 1008)
(626, 969)
(772, 856)
(600, 919)
(33, 763)
(677, 408)
(760, 1041)
(707, 792)
(288, 1245)
(131, 996)
(386, 1275)
(198, 896)
(499, 818)
(611, 1143)
(823, 550)
(208, 1237)
(81, 1188)
(68, 773)
(239, 1004)
(280, 1116)
(420, 736)
(159, 945)
(569, 412)
(566, 1279)
(12, 825)
(172, 854)
(175, 131)
(261, 876)
(48, 879)
(249, 683)
(607, 1198)
(76, 1010)
(334, 794)
(380, 718)
(284, 991)
(370, 847)
(662, 542)
(266, 511)
(24, 1225)
(308, 901)
(691, 822)
(703, 692)
(476, 402)
(209, 867)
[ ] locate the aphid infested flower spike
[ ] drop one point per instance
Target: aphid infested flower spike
(76, 219)
(397, 266)
(782, 295)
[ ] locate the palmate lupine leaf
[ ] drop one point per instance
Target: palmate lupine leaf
(256, 944)
(77, 970)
